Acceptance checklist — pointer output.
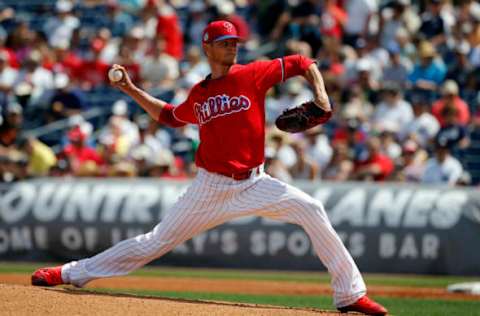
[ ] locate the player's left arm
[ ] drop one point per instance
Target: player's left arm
(314, 77)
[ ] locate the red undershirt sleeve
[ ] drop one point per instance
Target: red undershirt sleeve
(167, 117)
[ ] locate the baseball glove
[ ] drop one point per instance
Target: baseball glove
(302, 117)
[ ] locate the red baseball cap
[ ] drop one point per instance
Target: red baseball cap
(218, 31)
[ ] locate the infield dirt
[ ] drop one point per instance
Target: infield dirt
(18, 298)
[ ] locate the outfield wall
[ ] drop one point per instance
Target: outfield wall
(387, 227)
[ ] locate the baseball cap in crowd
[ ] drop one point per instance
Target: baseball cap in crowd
(120, 107)
(63, 6)
(450, 87)
(427, 50)
(218, 31)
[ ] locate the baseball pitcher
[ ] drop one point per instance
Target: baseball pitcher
(229, 108)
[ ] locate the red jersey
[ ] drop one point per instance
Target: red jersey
(230, 112)
(383, 162)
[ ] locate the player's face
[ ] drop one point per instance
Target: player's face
(223, 52)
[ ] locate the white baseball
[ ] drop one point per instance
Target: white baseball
(115, 75)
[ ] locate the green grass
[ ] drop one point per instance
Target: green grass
(396, 306)
(290, 276)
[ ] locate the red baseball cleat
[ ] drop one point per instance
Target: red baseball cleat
(365, 306)
(47, 276)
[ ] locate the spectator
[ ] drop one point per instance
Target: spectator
(97, 69)
(352, 133)
(168, 27)
(366, 80)
(33, 81)
(460, 67)
(451, 99)
(398, 67)
(429, 73)
(125, 127)
(148, 146)
(393, 112)
(356, 106)
(304, 168)
(275, 167)
(123, 169)
(126, 58)
(272, 17)
(196, 22)
(10, 126)
(424, 125)
(404, 41)
(333, 19)
(40, 157)
(318, 147)
(65, 101)
(374, 166)
(194, 68)
(301, 22)
(411, 163)
(8, 76)
(282, 144)
(114, 144)
(474, 35)
(65, 60)
(340, 166)
(433, 26)
(77, 152)
(59, 28)
(118, 21)
(360, 13)
(391, 19)
(163, 166)
(389, 145)
(452, 132)
(443, 168)
(159, 70)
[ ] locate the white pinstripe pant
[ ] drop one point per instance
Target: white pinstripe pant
(213, 199)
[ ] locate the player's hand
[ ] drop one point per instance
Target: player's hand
(125, 83)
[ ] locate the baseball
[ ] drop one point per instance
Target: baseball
(115, 75)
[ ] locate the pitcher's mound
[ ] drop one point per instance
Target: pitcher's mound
(29, 300)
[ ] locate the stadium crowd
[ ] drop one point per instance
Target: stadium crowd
(403, 77)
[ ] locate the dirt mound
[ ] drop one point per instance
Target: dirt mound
(29, 300)
(252, 287)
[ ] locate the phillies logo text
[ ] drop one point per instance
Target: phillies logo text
(220, 105)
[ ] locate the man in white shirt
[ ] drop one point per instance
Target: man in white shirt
(359, 15)
(393, 111)
(443, 168)
(60, 27)
(159, 69)
(424, 125)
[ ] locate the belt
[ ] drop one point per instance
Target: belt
(245, 174)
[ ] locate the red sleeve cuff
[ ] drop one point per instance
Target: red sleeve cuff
(166, 117)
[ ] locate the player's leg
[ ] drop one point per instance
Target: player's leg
(284, 202)
(196, 211)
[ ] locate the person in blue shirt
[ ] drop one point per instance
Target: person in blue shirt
(429, 73)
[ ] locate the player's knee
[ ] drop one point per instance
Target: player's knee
(313, 208)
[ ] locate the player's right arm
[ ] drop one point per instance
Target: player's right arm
(158, 109)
